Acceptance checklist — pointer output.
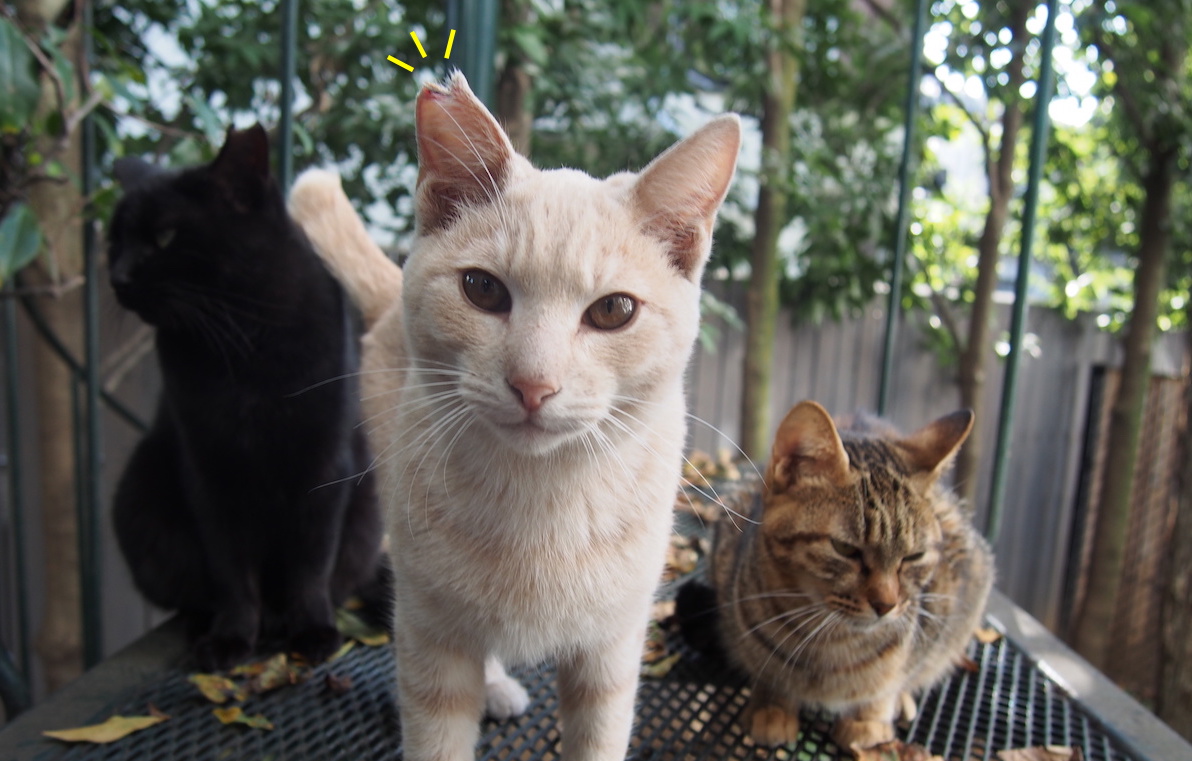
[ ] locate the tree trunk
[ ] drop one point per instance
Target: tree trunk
(513, 85)
(58, 207)
(761, 299)
(971, 371)
(1175, 686)
(1094, 622)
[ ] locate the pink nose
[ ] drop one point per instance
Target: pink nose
(532, 394)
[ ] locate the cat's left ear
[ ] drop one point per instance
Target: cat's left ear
(242, 167)
(678, 194)
(932, 448)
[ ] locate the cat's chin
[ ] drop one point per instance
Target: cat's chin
(531, 438)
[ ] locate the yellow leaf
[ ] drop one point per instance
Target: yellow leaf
(217, 688)
(235, 715)
(275, 672)
(353, 626)
(1048, 753)
(343, 650)
(662, 667)
(110, 731)
(987, 636)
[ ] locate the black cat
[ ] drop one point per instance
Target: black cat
(243, 506)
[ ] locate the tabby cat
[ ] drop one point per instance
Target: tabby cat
(242, 506)
(524, 388)
(859, 583)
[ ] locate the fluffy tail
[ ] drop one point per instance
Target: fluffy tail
(320, 207)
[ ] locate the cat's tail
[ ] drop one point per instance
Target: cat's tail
(322, 209)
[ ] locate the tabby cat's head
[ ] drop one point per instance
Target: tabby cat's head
(197, 235)
(851, 517)
(551, 299)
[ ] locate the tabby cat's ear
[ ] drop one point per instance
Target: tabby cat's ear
(807, 446)
(678, 194)
(931, 448)
(242, 167)
(464, 156)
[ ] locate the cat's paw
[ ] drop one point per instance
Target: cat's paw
(851, 733)
(907, 708)
(218, 653)
(772, 726)
(317, 643)
(504, 698)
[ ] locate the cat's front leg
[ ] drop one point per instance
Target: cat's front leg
(233, 633)
(441, 696)
(596, 693)
(773, 718)
(868, 725)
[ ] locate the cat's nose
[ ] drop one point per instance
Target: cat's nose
(532, 393)
(881, 607)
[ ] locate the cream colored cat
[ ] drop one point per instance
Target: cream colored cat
(524, 389)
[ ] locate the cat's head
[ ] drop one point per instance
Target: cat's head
(178, 237)
(852, 520)
(550, 298)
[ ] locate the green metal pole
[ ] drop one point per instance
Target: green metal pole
(16, 488)
(90, 563)
(1038, 154)
(475, 22)
(910, 119)
(285, 127)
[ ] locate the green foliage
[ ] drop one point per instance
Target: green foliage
(20, 240)
(19, 90)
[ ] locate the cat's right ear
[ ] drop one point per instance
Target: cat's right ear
(464, 156)
(131, 171)
(806, 446)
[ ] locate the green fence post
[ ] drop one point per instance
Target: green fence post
(475, 22)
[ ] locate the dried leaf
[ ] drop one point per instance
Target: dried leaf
(216, 688)
(275, 672)
(661, 668)
(338, 685)
(156, 712)
(343, 650)
(662, 611)
(1041, 753)
(655, 647)
(965, 663)
(235, 715)
(353, 626)
(113, 729)
(987, 636)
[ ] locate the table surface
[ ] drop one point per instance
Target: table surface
(1027, 690)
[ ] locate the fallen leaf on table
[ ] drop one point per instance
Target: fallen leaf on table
(1042, 753)
(662, 611)
(655, 647)
(895, 750)
(343, 650)
(111, 730)
(216, 688)
(353, 626)
(987, 636)
(661, 668)
(338, 685)
(965, 663)
(276, 672)
(236, 715)
(157, 712)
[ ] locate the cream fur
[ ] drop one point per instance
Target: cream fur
(517, 535)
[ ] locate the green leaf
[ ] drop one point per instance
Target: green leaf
(20, 240)
(62, 66)
(208, 119)
(531, 44)
(19, 91)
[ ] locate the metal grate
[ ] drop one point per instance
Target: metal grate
(695, 712)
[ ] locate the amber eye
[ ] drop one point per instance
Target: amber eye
(846, 550)
(486, 291)
(611, 312)
(164, 236)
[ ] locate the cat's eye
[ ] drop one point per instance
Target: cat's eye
(487, 292)
(845, 549)
(913, 558)
(164, 236)
(611, 312)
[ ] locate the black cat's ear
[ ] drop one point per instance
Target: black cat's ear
(931, 449)
(678, 194)
(464, 157)
(807, 446)
(131, 171)
(242, 167)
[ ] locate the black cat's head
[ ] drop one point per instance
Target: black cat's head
(181, 238)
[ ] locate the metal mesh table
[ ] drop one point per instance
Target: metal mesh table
(694, 712)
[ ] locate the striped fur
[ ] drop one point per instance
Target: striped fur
(860, 581)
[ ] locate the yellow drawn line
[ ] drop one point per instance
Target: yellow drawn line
(418, 43)
(402, 64)
(450, 42)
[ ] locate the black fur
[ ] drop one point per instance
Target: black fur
(696, 612)
(243, 506)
